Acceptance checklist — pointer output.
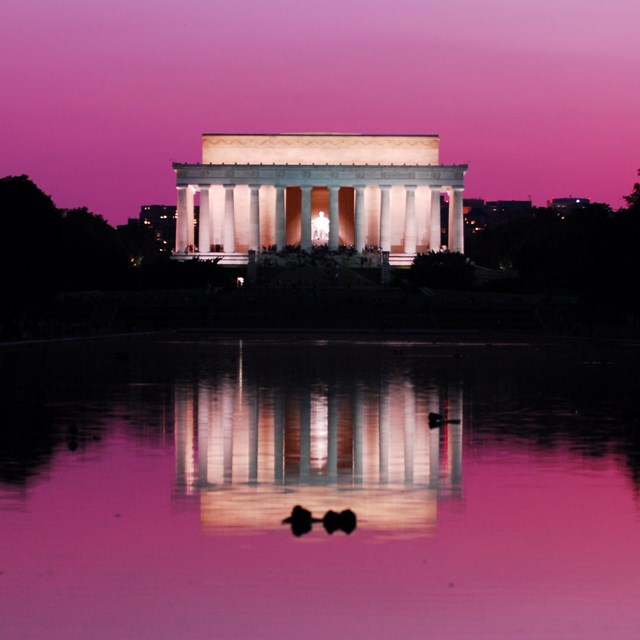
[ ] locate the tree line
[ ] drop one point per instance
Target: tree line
(590, 251)
(48, 250)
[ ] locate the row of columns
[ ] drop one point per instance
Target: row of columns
(407, 449)
(185, 226)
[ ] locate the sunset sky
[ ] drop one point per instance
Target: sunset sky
(542, 99)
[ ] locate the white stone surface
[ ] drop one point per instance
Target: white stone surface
(379, 191)
(320, 149)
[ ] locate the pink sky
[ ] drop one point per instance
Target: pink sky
(541, 99)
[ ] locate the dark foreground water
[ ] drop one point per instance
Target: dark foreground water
(143, 484)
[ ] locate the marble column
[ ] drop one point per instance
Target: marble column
(229, 242)
(360, 226)
(254, 217)
(456, 221)
(181, 220)
(305, 219)
(281, 220)
(385, 217)
(410, 226)
(204, 227)
(334, 218)
(191, 242)
(435, 224)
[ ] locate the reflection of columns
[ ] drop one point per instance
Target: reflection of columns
(281, 220)
(305, 219)
(278, 437)
(332, 435)
(455, 437)
(410, 227)
(358, 435)
(181, 220)
(227, 434)
(409, 431)
(434, 458)
(360, 225)
(254, 217)
(229, 240)
(435, 224)
(253, 434)
(305, 435)
(334, 218)
(203, 435)
(385, 217)
(204, 225)
(383, 434)
(456, 221)
(182, 450)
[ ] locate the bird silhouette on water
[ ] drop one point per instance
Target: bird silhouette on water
(437, 420)
(301, 521)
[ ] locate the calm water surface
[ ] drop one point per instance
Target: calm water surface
(143, 484)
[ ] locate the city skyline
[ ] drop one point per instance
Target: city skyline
(541, 101)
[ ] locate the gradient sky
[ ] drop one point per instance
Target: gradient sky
(542, 99)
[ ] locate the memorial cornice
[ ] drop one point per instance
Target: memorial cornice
(320, 175)
(318, 140)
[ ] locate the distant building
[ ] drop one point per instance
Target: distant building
(162, 219)
(481, 214)
(567, 205)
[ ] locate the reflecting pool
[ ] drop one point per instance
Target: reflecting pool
(144, 483)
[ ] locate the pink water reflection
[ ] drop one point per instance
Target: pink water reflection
(534, 550)
(134, 538)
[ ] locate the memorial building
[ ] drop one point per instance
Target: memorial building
(365, 192)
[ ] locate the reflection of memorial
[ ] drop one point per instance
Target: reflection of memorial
(252, 452)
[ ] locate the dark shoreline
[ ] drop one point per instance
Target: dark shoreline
(389, 311)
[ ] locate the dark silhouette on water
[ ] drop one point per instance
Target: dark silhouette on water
(301, 521)
(344, 521)
(437, 420)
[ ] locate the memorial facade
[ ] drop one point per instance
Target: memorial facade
(368, 192)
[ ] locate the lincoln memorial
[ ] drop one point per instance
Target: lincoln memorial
(378, 192)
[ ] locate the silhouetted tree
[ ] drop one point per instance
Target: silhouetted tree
(633, 199)
(94, 257)
(31, 227)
